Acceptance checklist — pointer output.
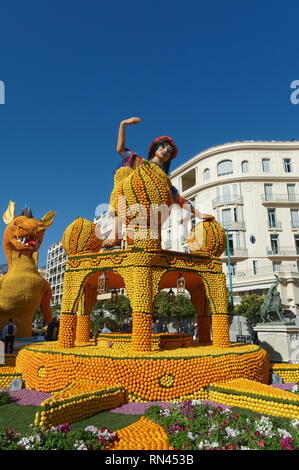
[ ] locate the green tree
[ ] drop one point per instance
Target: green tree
(250, 309)
(121, 310)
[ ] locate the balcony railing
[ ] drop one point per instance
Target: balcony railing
(236, 253)
(295, 224)
(232, 225)
(282, 251)
(274, 225)
(280, 198)
(220, 201)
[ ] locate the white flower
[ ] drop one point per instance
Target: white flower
(92, 429)
(244, 448)
(232, 432)
(294, 389)
(227, 411)
(214, 426)
(264, 426)
(165, 412)
(295, 423)
(208, 445)
(196, 402)
(79, 445)
(283, 433)
(191, 436)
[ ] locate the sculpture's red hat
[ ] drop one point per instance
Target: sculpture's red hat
(165, 139)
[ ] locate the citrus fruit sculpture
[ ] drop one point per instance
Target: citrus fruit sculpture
(23, 289)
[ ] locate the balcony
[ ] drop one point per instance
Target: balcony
(232, 225)
(274, 225)
(221, 201)
(284, 199)
(236, 254)
(280, 252)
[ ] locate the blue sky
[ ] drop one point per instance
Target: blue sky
(203, 73)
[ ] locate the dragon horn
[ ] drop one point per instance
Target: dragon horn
(47, 219)
(9, 214)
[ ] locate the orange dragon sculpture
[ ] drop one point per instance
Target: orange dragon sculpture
(23, 289)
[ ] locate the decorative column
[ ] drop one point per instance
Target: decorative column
(215, 287)
(73, 285)
(83, 318)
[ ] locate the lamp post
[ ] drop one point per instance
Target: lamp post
(230, 275)
(181, 285)
(171, 296)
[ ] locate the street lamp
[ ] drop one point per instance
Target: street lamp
(171, 296)
(180, 285)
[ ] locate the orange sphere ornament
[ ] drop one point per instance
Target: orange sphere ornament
(81, 236)
(207, 237)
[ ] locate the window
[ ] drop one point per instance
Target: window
(235, 214)
(226, 193)
(188, 180)
(291, 192)
(287, 165)
(266, 165)
(297, 244)
(245, 166)
(268, 192)
(274, 244)
(272, 218)
(295, 218)
(226, 217)
(254, 266)
(231, 244)
(298, 266)
(206, 174)
(233, 269)
(224, 168)
(276, 266)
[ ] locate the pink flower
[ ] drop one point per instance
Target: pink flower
(261, 443)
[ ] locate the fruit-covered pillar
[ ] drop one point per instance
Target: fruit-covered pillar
(215, 287)
(73, 286)
(86, 303)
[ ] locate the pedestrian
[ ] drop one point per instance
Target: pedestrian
(106, 329)
(164, 328)
(50, 330)
(9, 333)
(158, 326)
(254, 337)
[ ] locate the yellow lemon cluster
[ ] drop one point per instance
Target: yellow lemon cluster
(76, 402)
(255, 396)
(289, 373)
(186, 371)
(7, 374)
(142, 435)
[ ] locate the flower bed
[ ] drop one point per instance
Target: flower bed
(194, 426)
(77, 401)
(257, 397)
(59, 438)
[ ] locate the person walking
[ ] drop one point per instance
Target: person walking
(9, 333)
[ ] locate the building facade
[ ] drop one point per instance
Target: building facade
(252, 190)
(55, 268)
